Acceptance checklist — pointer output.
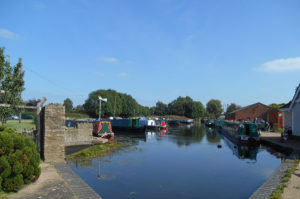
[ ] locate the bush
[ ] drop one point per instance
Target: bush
(19, 161)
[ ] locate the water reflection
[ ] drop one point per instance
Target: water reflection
(212, 136)
(157, 161)
(243, 151)
(187, 135)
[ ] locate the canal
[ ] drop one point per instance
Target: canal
(187, 162)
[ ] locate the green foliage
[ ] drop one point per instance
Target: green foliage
(119, 103)
(161, 109)
(11, 78)
(73, 115)
(95, 151)
(276, 106)
(232, 107)
(186, 107)
(68, 104)
(214, 108)
(19, 161)
(13, 183)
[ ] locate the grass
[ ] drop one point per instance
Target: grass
(3, 196)
(95, 151)
(77, 116)
(277, 193)
(25, 124)
(278, 130)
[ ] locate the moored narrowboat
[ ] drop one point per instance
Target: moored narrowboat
(239, 132)
(127, 125)
(103, 129)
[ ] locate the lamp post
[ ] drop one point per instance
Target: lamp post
(101, 99)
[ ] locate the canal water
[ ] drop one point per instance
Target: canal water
(186, 162)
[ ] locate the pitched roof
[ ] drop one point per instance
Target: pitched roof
(243, 108)
(295, 97)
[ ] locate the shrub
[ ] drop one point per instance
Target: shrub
(19, 161)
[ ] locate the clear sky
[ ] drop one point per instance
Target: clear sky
(234, 50)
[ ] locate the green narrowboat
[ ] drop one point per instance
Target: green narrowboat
(241, 132)
(127, 125)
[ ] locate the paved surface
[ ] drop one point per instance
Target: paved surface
(291, 146)
(292, 190)
(48, 186)
(78, 186)
(273, 139)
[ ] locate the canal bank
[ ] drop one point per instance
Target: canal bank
(56, 181)
(291, 147)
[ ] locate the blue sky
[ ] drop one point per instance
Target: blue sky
(236, 51)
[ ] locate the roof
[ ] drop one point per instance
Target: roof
(286, 106)
(295, 97)
(243, 108)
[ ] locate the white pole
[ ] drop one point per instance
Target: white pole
(100, 110)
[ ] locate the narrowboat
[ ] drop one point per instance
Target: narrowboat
(209, 123)
(174, 122)
(163, 125)
(127, 125)
(150, 124)
(239, 132)
(103, 129)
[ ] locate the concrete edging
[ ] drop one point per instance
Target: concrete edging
(273, 181)
(77, 185)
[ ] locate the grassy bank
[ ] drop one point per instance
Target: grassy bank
(3, 195)
(95, 151)
(277, 193)
(25, 124)
(77, 116)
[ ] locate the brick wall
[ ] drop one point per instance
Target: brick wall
(251, 112)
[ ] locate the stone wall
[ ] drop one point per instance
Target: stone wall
(53, 133)
(80, 134)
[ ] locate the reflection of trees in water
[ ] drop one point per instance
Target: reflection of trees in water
(187, 136)
(212, 136)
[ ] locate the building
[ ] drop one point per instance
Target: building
(291, 113)
(287, 116)
(257, 110)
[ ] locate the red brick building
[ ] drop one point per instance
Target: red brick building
(257, 110)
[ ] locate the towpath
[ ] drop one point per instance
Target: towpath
(292, 190)
(56, 181)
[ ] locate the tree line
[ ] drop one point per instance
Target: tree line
(124, 105)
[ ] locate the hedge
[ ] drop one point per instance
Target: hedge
(19, 160)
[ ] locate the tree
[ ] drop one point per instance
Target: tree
(161, 109)
(11, 79)
(32, 102)
(214, 108)
(276, 106)
(68, 104)
(118, 104)
(186, 106)
(79, 109)
(232, 107)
